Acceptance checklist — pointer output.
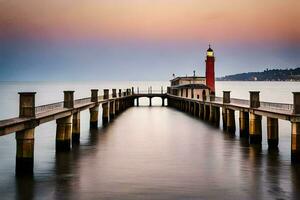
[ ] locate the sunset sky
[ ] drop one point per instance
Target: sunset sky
(144, 39)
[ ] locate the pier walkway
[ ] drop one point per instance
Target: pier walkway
(67, 116)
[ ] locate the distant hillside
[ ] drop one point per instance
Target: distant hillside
(266, 75)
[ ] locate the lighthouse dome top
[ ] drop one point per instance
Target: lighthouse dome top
(210, 52)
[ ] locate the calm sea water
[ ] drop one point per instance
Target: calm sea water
(149, 153)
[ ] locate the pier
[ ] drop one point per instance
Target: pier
(208, 108)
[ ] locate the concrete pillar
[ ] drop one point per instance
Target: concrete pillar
(114, 93)
(112, 110)
(163, 101)
(95, 110)
(255, 130)
(76, 127)
(187, 106)
(295, 140)
(137, 101)
(212, 114)
(128, 92)
(244, 124)
(206, 112)
(192, 108)
(25, 138)
(25, 151)
(272, 130)
(230, 124)
(64, 125)
(224, 117)
(117, 104)
(106, 94)
(105, 113)
(217, 117)
(226, 96)
(226, 100)
(196, 109)
(68, 99)
(105, 107)
(27, 104)
(63, 133)
(201, 111)
(254, 99)
(150, 101)
(121, 102)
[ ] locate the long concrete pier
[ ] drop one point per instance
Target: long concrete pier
(67, 116)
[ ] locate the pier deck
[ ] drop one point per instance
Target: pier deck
(67, 116)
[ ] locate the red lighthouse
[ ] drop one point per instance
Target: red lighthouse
(210, 70)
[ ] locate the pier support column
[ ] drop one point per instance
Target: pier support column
(105, 107)
(64, 125)
(206, 112)
(163, 102)
(201, 111)
(63, 133)
(94, 112)
(112, 110)
(230, 121)
(224, 118)
(255, 130)
(150, 101)
(117, 106)
(105, 113)
(244, 124)
(217, 117)
(295, 141)
(114, 93)
(272, 129)
(226, 100)
(137, 102)
(186, 106)
(196, 113)
(25, 151)
(25, 138)
(212, 114)
(76, 127)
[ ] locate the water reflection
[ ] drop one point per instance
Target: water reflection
(160, 153)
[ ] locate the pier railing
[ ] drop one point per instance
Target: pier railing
(279, 106)
(263, 104)
(48, 107)
(67, 115)
(82, 101)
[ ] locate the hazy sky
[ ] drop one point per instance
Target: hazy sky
(144, 39)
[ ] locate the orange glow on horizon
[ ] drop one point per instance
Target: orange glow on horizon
(189, 20)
